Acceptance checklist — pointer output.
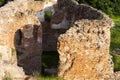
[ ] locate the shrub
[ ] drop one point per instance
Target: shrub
(2, 2)
(116, 60)
(110, 7)
(47, 16)
(116, 10)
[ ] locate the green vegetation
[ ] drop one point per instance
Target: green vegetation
(48, 15)
(13, 51)
(7, 78)
(2, 2)
(40, 77)
(47, 78)
(116, 7)
(116, 60)
(110, 7)
(115, 34)
(115, 43)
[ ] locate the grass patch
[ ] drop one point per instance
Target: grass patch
(47, 78)
(115, 18)
(41, 77)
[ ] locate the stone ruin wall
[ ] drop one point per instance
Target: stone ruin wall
(62, 20)
(21, 32)
(84, 51)
(84, 48)
(24, 33)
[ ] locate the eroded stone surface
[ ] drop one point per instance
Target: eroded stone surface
(20, 31)
(11, 71)
(84, 48)
(82, 53)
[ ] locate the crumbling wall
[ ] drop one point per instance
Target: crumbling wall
(20, 31)
(62, 19)
(84, 48)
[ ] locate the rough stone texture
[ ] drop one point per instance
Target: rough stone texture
(84, 48)
(62, 20)
(82, 53)
(20, 31)
(12, 71)
(21, 34)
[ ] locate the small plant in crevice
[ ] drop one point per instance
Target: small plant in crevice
(7, 78)
(47, 16)
(0, 56)
(19, 14)
(13, 51)
(2, 2)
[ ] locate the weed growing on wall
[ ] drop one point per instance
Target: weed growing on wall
(7, 78)
(48, 15)
(2, 2)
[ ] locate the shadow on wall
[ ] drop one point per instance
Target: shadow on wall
(57, 21)
(28, 44)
